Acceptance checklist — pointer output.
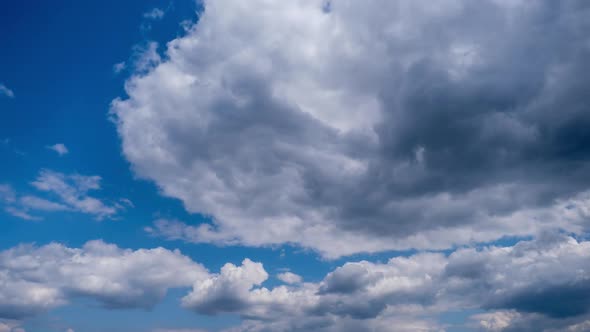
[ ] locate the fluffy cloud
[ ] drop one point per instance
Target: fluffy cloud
(10, 326)
(536, 285)
(290, 278)
(35, 279)
(227, 291)
(59, 148)
(543, 282)
(349, 126)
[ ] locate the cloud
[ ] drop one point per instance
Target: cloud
(19, 213)
(368, 126)
(146, 57)
(289, 278)
(154, 14)
(10, 326)
(522, 287)
(542, 281)
(37, 203)
(72, 191)
(119, 67)
(227, 291)
(36, 279)
(5, 91)
(60, 148)
(7, 194)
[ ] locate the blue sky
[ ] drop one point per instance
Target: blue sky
(319, 165)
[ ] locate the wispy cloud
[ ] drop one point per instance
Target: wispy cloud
(66, 192)
(20, 213)
(119, 67)
(73, 192)
(155, 14)
(4, 90)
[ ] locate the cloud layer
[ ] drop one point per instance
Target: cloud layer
(536, 285)
(349, 126)
(532, 286)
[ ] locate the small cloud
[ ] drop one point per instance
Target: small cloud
(119, 67)
(20, 213)
(60, 148)
(127, 202)
(154, 14)
(6, 91)
(7, 194)
(290, 278)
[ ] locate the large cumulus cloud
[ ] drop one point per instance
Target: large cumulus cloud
(534, 285)
(349, 126)
(36, 279)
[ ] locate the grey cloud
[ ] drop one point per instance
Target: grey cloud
(542, 280)
(369, 126)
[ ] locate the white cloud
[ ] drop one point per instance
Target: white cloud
(154, 14)
(227, 291)
(295, 124)
(37, 203)
(538, 283)
(10, 326)
(7, 194)
(119, 67)
(532, 283)
(35, 279)
(146, 57)
(72, 191)
(20, 213)
(290, 278)
(5, 91)
(60, 148)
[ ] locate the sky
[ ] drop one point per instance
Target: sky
(305, 165)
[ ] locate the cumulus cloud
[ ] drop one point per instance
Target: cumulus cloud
(289, 278)
(227, 291)
(5, 91)
(542, 282)
(10, 326)
(535, 285)
(59, 148)
(36, 279)
(366, 126)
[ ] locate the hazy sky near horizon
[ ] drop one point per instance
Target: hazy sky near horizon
(305, 165)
